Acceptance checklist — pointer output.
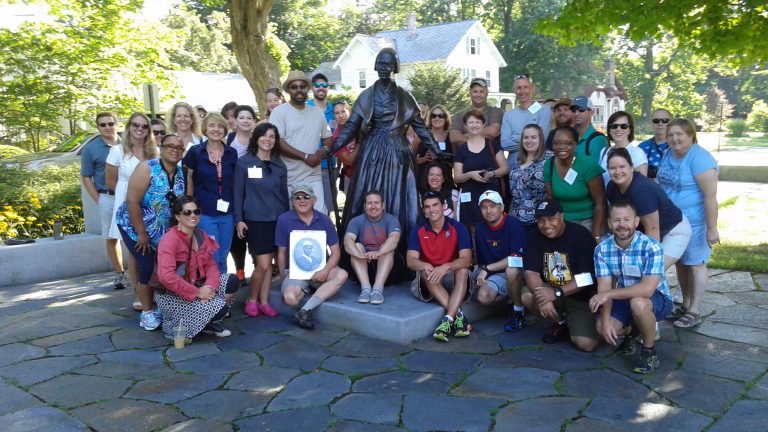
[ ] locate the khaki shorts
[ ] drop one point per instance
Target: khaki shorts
(580, 319)
(422, 293)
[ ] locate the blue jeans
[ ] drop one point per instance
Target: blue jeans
(221, 228)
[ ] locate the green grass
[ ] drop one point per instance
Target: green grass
(738, 256)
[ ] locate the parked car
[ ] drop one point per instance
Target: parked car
(65, 153)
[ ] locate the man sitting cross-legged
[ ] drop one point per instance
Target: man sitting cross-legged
(499, 244)
(370, 241)
(440, 251)
(634, 263)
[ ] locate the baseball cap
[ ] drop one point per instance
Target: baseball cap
(548, 208)
(478, 81)
(563, 101)
(582, 102)
(307, 189)
(490, 195)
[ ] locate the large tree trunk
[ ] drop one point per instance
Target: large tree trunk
(652, 75)
(248, 23)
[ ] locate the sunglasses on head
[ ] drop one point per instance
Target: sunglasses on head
(302, 197)
(110, 124)
(320, 85)
(158, 133)
(139, 126)
(195, 212)
(438, 115)
(660, 120)
(521, 76)
(429, 195)
(578, 109)
(619, 125)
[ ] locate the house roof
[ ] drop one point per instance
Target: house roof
(326, 68)
(429, 43)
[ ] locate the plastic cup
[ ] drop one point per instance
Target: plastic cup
(179, 336)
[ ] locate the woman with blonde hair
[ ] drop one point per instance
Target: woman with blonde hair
(184, 122)
(438, 123)
(138, 145)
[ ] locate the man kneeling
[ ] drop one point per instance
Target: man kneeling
(370, 241)
(440, 251)
(499, 243)
(558, 271)
(633, 262)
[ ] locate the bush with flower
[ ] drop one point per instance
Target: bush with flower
(32, 201)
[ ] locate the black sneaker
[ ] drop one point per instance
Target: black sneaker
(628, 346)
(461, 327)
(303, 318)
(555, 333)
(215, 328)
(647, 363)
(515, 323)
(443, 331)
(119, 283)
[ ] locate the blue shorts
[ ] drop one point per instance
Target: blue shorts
(698, 249)
(496, 281)
(621, 311)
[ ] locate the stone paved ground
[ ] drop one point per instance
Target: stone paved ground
(72, 357)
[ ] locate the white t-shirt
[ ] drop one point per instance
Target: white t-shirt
(303, 130)
(635, 153)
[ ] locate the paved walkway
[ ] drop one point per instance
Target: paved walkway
(72, 357)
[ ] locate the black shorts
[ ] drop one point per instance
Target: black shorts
(260, 237)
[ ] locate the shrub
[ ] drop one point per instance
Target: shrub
(737, 127)
(758, 118)
(30, 201)
(7, 151)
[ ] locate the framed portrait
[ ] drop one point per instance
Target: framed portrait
(307, 253)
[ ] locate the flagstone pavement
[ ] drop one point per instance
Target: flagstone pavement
(72, 357)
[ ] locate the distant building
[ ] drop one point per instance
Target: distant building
(608, 98)
(463, 45)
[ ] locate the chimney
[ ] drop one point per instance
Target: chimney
(610, 74)
(411, 24)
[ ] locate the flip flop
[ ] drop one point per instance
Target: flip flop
(677, 312)
(688, 320)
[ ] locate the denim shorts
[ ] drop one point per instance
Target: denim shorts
(622, 312)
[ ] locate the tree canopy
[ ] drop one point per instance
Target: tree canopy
(724, 29)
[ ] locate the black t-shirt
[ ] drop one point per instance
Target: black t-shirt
(558, 260)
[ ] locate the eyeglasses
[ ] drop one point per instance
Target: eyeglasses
(139, 126)
(578, 109)
(173, 147)
(297, 87)
(321, 85)
(623, 126)
(110, 124)
(438, 115)
(303, 197)
(660, 120)
(158, 132)
(188, 213)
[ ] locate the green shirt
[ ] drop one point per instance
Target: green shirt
(575, 199)
(598, 143)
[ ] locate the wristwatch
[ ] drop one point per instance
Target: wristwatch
(559, 294)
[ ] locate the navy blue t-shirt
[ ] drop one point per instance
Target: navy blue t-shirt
(648, 197)
(494, 244)
(205, 176)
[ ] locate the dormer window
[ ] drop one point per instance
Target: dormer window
(474, 46)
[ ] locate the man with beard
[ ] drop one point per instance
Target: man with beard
(319, 94)
(632, 291)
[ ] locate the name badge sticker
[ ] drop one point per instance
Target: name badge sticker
(466, 197)
(632, 270)
(534, 108)
(441, 144)
(515, 261)
(254, 172)
(222, 205)
(570, 176)
(583, 279)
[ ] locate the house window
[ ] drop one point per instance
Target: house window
(488, 78)
(599, 115)
(361, 79)
(473, 46)
(474, 73)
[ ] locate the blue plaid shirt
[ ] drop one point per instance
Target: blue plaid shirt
(644, 256)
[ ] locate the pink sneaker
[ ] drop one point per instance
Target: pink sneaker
(268, 310)
(251, 308)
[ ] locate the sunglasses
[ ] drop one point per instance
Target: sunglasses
(521, 76)
(297, 87)
(303, 197)
(110, 124)
(158, 133)
(578, 109)
(438, 115)
(321, 85)
(619, 125)
(660, 120)
(139, 126)
(195, 212)
(428, 195)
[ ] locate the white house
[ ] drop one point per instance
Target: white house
(608, 98)
(463, 45)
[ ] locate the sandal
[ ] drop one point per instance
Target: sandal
(677, 312)
(688, 320)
